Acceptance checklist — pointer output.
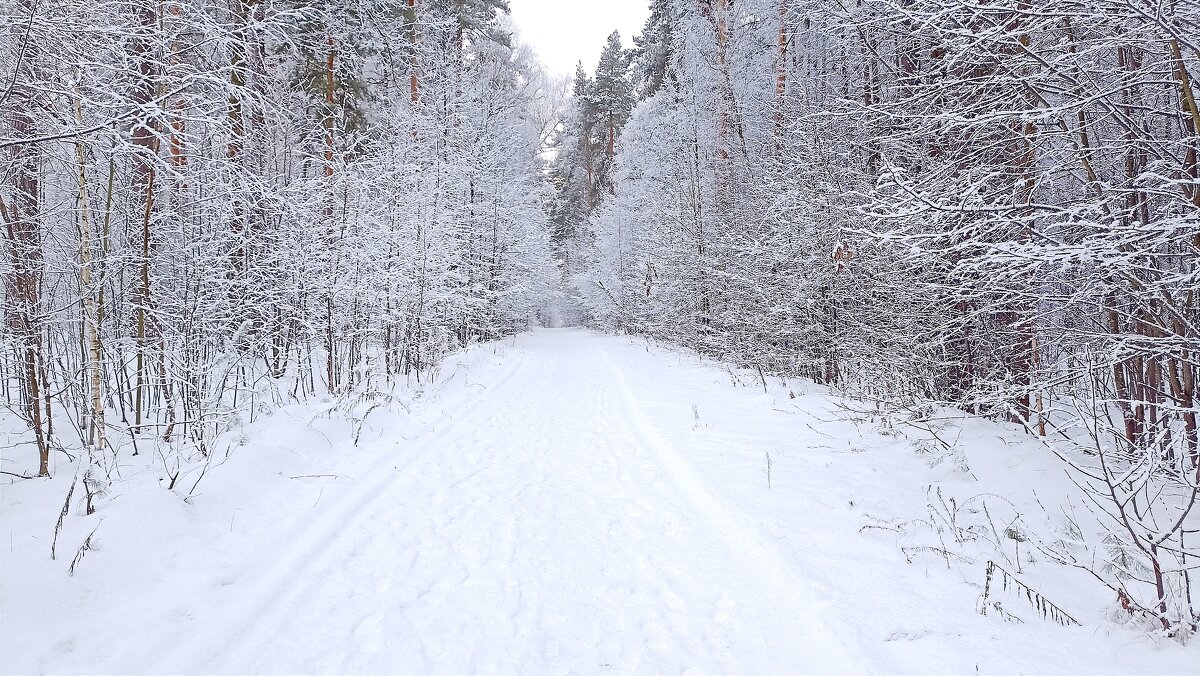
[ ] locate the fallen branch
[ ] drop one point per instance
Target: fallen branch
(62, 515)
(911, 552)
(83, 548)
(1040, 603)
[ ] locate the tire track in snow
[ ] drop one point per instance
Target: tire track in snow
(756, 554)
(313, 546)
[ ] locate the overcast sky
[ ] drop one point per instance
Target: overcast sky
(565, 31)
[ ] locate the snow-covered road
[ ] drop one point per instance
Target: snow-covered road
(560, 503)
(545, 528)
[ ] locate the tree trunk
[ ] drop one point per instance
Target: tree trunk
(414, 61)
(145, 142)
(87, 289)
(238, 50)
(23, 232)
(781, 73)
(331, 370)
(724, 105)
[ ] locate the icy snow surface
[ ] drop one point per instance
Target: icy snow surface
(561, 503)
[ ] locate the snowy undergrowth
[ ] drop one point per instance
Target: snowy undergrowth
(1041, 507)
(908, 513)
(168, 535)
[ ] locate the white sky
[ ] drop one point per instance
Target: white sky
(564, 31)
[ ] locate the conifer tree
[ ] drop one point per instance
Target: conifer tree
(611, 99)
(654, 50)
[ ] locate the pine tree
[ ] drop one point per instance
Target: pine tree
(478, 17)
(611, 98)
(654, 50)
(583, 169)
(573, 169)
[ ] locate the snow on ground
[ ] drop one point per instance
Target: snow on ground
(561, 503)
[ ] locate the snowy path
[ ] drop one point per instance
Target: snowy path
(542, 529)
(562, 503)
